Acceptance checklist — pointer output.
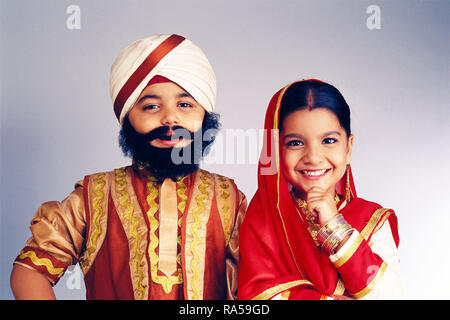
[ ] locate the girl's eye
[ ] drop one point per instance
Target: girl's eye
(329, 140)
(185, 105)
(294, 143)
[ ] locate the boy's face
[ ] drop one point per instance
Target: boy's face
(166, 104)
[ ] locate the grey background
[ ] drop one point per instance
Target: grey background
(57, 123)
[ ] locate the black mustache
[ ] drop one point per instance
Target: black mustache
(162, 133)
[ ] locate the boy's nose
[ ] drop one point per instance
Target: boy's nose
(169, 118)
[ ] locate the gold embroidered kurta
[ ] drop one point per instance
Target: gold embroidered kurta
(136, 239)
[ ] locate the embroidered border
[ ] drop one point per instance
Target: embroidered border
(56, 273)
(133, 222)
(98, 184)
(201, 205)
(166, 282)
(225, 208)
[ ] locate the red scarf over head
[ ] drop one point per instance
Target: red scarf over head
(277, 250)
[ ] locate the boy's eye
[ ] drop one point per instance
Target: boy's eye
(294, 143)
(329, 140)
(185, 105)
(150, 107)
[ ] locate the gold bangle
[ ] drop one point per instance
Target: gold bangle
(330, 227)
(334, 240)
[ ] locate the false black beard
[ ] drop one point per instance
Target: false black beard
(173, 162)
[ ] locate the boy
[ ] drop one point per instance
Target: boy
(161, 228)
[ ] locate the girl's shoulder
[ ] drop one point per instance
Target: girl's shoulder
(368, 217)
(363, 205)
(359, 212)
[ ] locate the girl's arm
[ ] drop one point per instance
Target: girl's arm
(370, 270)
(28, 284)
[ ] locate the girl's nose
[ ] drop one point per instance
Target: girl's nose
(312, 155)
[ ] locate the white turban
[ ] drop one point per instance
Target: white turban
(170, 56)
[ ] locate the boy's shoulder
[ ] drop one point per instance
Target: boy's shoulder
(103, 177)
(221, 180)
(122, 172)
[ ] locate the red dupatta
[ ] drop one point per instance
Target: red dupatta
(277, 250)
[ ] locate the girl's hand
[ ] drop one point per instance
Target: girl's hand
(321, 204)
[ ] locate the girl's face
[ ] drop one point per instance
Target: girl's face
(315, 149)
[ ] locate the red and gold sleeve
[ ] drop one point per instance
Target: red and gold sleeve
(35, 259)
(57, 239)
(358, 266)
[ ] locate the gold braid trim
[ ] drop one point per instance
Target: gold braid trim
(201, 203)
(181, 192)
(134, 223)
(42, 262)
(225, 194)
(98, 212)
(164, 281)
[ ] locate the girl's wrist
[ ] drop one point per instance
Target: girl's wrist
(334, 234)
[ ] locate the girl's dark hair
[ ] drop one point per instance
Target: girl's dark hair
(315, 94)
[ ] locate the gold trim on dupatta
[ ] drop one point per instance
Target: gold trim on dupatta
(271, 292)
(340, 288)
(275, 135)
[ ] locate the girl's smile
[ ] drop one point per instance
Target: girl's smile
(314, 174)
(315, 149)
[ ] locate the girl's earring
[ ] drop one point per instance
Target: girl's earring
(347, 185)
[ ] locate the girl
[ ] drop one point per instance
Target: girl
(306, 235)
